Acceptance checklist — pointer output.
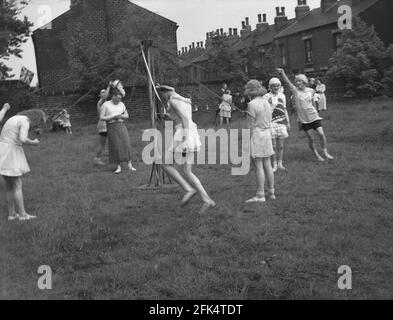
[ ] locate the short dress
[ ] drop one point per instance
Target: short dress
(260, 123)
(183, 142)
(279, 120)
(226, 106)
(13, 162)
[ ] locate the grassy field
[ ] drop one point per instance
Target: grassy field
(104, 238)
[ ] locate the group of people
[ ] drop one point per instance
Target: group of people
(268, 121)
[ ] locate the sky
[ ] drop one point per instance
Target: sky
(194, 17)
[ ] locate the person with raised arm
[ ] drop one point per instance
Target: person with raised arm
(186, 142)
(101, 126)
(307, 113)
(13, 163)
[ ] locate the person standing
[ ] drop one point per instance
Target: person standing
(320, 91)
(114, 113)
(226, 108)
(280, 122)
(260, 117)
(13, 163)
(66, 122)
(308, 116)
(101, 126)
(186, 142)
(4, 110)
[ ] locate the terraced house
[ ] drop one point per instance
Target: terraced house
(304, 43)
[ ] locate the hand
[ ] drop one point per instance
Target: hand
(288, 127)
(6, 107)
(35, 142)
(280, 70)
(111, 83)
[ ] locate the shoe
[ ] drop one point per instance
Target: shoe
(281, 167)
(132, 169)
(206, 207)
(187, 198)
(320, 159)
(118, 171)
(274, 168)
(256, 199)
(26, 217)
(13, 217)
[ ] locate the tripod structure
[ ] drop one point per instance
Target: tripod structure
(158, 177)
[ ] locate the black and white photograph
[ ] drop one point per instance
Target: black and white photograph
(178, 151)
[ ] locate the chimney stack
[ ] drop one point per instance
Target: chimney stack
(302, 9)
(281, 19)
(222, 31)
(262, 24)
(235, 34)
(230, 32)
(246, 28)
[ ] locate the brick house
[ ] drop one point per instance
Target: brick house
(302, 44)
(101, 20)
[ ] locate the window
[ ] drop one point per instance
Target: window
(283, 55)
(337, 47)
(308, 48)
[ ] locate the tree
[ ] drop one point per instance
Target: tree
(364, 65)
(14, 31)
(226, 63)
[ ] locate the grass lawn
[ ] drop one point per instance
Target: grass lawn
(104, 238)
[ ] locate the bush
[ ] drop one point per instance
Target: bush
(365, 65)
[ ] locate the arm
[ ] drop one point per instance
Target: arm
(286, 80)
(23, 135)
(124, 115)
(4, 110)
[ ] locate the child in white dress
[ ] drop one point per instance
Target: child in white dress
(260, 117)
(13, 163)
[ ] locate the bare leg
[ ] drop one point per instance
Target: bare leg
(274, 156)
(10, 196)
(280, 153)
(18, 196)
(260, 174)
(221, 121)
(101, 150)
(178, 178)
(268, 171)
(194, 181)
(312, 145)
(323, 140)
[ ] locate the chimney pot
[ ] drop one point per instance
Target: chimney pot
(222, 31)
(243, 25)
(235, 32)
(193, 45)
(230, 32)
(277, 11)
(264, 17)
(247, 21)
(283, 11)
(259, 18)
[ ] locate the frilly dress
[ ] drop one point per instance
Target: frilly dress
(13, 162)
(183, 141)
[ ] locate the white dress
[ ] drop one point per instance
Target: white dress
(183, 141)
(13, 162)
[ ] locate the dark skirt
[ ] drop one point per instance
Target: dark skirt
(119, 143)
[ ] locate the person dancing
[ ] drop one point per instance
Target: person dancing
(4, 110)
(307, 113)
(260, 117)
(186, 142)
(114, 112)
(13, 163)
